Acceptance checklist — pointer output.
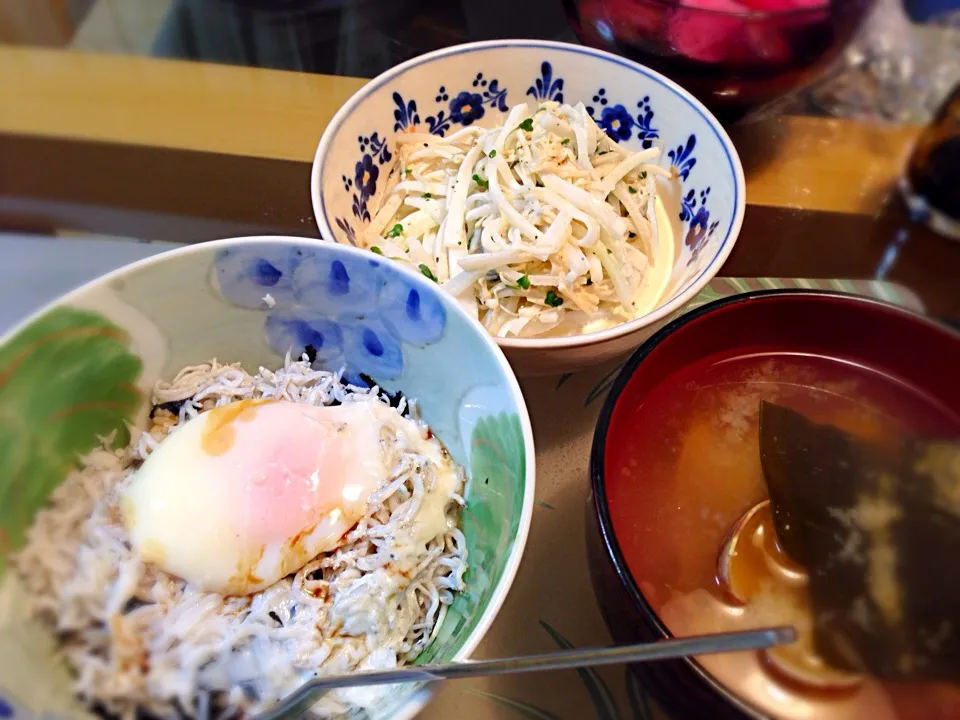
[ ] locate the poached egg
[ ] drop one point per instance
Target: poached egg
(244, 494)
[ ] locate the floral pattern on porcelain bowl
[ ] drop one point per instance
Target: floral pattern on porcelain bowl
(478, 83)
(349, 312)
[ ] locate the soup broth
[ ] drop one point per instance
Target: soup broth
(691, 486)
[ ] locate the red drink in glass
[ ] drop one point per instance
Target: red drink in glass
(734, 55)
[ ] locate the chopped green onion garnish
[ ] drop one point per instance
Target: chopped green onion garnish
(395, 230)
(643, 175)
(552, 299)
(526, 125)
(480, 181)
(524, 282)
(426, 272)
(426, 196)
(565, 141)
(632, 190)
(408, 171)
(375, 249)
(493, 153)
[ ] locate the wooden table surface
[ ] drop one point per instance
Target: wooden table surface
(187, 151)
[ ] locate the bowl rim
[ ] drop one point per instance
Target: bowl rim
(679, 299)
(418, 699)
(600, 505)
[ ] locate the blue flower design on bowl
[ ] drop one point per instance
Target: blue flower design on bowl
(694, 211)
(546, 87)
(244, 280)
(347, 229)
(343, 311)
(466, 107)
(10, 709)
(366, 175)
(304, 332)
(344, 288)
(410, 314)
(616, 122)
(619, 124)
(634, 107)
(697, 233)
(682, 158)
(406, 113)
(369, 344)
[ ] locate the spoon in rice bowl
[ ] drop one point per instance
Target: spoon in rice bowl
(298, 702)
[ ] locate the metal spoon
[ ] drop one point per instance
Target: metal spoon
(305, 696)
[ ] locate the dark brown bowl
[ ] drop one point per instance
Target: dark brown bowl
(902, 344)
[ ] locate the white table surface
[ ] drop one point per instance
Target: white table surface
(39, 268)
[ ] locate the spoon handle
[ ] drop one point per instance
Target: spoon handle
(306, 695)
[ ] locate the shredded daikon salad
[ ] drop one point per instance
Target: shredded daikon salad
(541, 226)
(142, 642)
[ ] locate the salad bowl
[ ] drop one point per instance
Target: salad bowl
(445, 91)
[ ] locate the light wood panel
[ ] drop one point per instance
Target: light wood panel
(794, 162)
(823, 164)
(167, 103)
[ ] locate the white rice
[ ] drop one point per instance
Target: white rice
(140, 640)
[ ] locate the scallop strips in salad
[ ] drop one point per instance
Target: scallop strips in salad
(543, 226)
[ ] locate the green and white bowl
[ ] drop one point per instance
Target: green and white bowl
(84, 367)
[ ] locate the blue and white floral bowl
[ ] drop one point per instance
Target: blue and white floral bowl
(478, 83)
(83, 368)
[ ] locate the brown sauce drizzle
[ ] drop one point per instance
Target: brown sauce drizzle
(219, 433)
(244, 580)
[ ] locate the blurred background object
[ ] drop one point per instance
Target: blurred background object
(736, 56)
(742, 57)
(344, 37)
(120, 26)
(897, 70)
(931, 183)
(922, 10)
(41, 22)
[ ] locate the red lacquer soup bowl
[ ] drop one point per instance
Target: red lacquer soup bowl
(676, 482)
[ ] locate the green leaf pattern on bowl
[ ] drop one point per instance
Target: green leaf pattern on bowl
(497, 461)
(65, 379)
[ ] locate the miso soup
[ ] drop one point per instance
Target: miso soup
(687, 507)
